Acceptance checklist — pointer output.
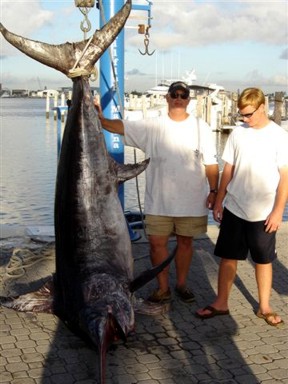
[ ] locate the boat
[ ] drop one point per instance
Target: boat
(153, 103)
(4, 93)
(162, 88)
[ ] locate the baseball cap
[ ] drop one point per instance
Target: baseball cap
(179, 85)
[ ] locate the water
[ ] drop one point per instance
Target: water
(29, 161)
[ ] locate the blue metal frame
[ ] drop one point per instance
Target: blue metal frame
(111, 89)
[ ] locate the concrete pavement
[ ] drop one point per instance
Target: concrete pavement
(172, 348)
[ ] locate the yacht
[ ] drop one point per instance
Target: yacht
(162, 88)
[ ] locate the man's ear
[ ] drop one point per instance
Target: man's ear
(262, 107)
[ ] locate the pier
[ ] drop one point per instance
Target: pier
(172, 348)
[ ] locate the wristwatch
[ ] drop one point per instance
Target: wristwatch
(214, 191)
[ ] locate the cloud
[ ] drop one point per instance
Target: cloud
(201, 34)
(189, 24)
(30, 20)
(135, 72)
(257, 78)
(174, 23)
(23, 18)
(31, 81)
(284, 54)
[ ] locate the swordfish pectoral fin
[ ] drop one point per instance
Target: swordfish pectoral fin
(150, 274)
(128, 171)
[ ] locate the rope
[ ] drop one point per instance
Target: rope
(76, 72)
(138, 198)
(22, 259)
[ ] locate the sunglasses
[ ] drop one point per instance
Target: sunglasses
(247, 115)
(182, 96)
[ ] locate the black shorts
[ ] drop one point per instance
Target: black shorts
(238, 236)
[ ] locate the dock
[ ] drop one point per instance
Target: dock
(171, 348)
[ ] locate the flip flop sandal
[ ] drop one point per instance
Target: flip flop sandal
(266, 317)
(214, 312)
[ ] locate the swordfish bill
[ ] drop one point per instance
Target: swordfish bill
(62, 57)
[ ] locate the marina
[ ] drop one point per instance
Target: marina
(173, 347)
(69, 331)
(29, 161)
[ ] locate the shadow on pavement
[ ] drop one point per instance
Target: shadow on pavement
(175, 347)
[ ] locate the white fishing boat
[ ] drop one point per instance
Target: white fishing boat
(163, 86)
(5, 93)
(153, 103)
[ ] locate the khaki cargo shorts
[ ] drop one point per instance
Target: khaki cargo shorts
(168, 225)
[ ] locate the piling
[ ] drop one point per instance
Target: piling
(234, 107)
(55, 106)
(47, 106)
(144, 106)
(62, 105)
(278, 107)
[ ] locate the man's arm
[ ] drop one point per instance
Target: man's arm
(274, 220)
(226, 177)
(212, 174)
(113, 126)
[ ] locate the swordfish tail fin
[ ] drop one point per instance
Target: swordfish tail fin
(63, 57)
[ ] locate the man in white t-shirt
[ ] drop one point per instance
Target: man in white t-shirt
(181, 182)
(254, 185)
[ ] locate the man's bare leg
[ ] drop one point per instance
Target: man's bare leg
(226, 277)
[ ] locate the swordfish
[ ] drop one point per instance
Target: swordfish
(92, 288)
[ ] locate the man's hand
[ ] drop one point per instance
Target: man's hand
(218, 212)
(211, 200)
(98, 107)
(273, 222)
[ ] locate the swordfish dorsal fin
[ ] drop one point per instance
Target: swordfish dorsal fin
(63, 57)
(128, 171)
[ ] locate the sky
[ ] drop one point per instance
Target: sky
(235, 44)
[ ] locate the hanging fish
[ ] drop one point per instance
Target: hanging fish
(92, 289)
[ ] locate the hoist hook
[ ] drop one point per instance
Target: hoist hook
(146, 40)
(87, 28)
(85, 24)
(84, 6)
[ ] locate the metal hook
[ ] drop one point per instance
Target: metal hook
(85, 28)
(146, 42)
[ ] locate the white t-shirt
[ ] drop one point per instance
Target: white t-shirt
(176, 183)
(257, 155)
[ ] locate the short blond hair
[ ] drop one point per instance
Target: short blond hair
(251, 96)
